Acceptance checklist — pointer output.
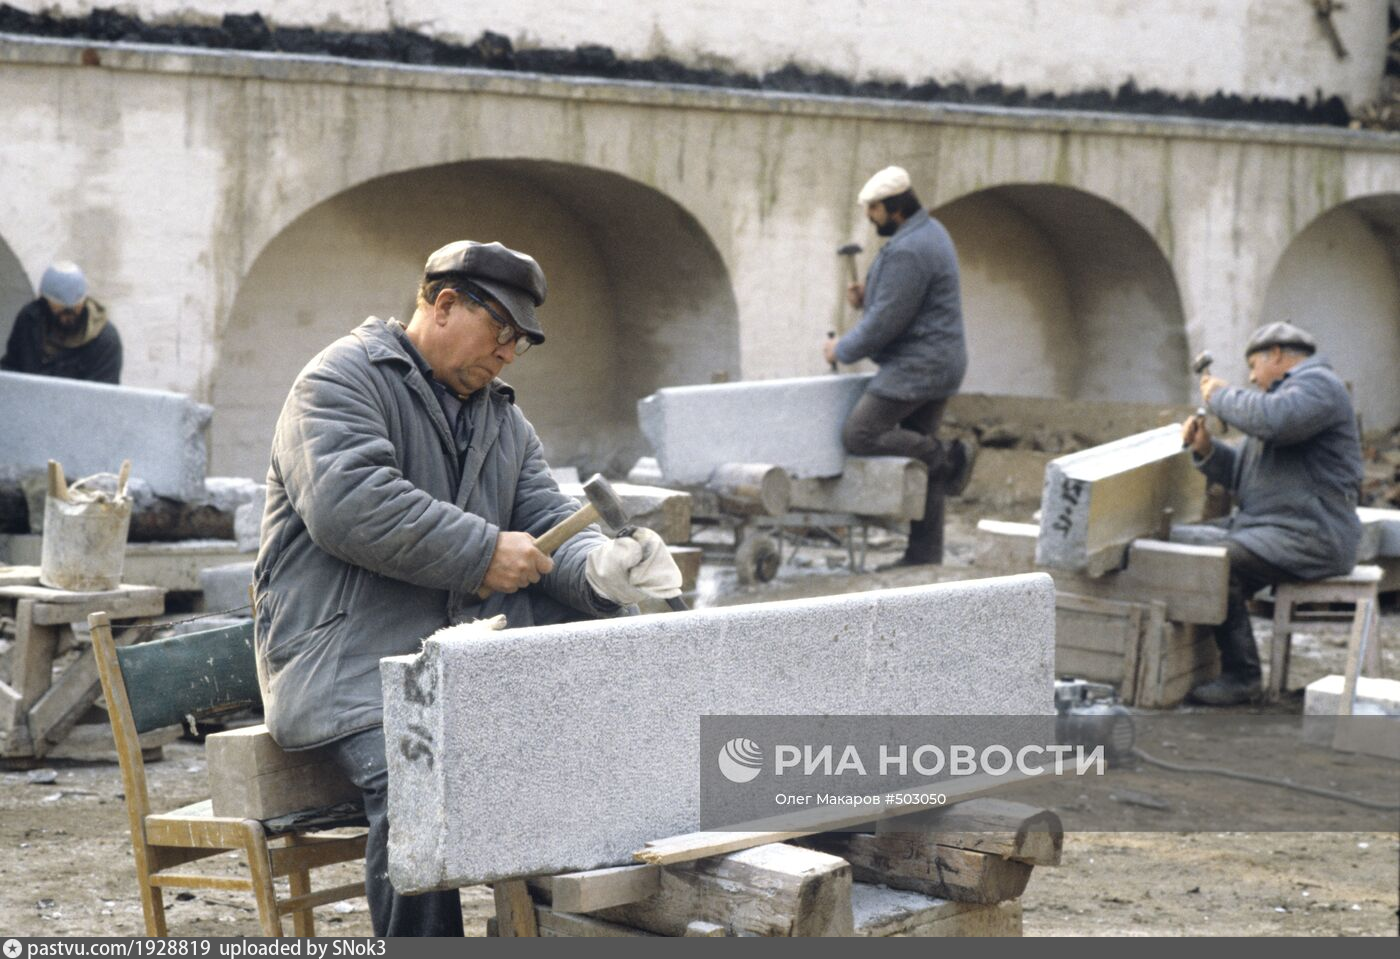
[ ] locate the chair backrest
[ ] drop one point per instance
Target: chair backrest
(198, 675)
(160, 683)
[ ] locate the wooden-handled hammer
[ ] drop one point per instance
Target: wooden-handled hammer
(603, 503)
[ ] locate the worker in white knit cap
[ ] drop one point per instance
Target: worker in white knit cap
(911, 325)
(64, 332)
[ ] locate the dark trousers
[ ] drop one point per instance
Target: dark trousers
(881, 427)
(1249, 573)
(361, 757)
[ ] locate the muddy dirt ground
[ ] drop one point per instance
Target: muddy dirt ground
(66, 868)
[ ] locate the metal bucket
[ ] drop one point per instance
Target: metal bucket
(84, 544)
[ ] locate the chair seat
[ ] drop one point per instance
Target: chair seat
(197, 823)
(1359, 576)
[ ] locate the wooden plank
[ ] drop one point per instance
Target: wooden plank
(771, 890)
(913, 861)
(600, 888)
(558, 924)
(1175, 658)
(698, 845)
(1086, 664)
(515, 910)
(1011, 830)
(131, 602)
(65, 702)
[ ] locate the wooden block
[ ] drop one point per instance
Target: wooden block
(997, 827)
(893, 487)
(881, 911)
(515, 910)
(915, 862)
(251, 777)
(558, 924)
(688, 559)
(773, 890)
(600, 888)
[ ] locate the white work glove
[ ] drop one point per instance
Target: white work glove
(632, 568)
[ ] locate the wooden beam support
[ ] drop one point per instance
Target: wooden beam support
(997, 827)
(699, 845)
(916, 862)
(515, 910)
(772, 890)
(600, 888)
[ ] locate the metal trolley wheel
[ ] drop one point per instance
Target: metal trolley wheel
(757, 559)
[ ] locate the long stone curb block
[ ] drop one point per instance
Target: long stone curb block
(792, 423)
(563, 748)
(91, 427)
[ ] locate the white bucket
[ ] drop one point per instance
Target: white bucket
(84, 544)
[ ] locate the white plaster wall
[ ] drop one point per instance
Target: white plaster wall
(361, 253)
(174, 172)
(1065, 295)
(1270, 48)
(15, 290)
(1016, 302)
(1340, 281)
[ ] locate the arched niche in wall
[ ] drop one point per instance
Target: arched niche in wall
(639, 298)
(15, 290)
(1065, 295)
(1339, 279)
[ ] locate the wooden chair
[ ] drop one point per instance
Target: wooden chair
(1354, 589)
(159, 684)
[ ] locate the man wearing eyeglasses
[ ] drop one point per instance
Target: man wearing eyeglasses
(403, 480)
(64, 332)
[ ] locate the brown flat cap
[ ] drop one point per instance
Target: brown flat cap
(513, 278)
(1280, 334)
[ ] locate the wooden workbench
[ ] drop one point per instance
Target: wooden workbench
(38, 709)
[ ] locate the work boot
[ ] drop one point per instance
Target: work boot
(961, 456)
(1227, 690)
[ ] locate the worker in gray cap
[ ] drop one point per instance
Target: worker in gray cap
(404, 484)
(64, 332)
(1295, 480)
(911, 325)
